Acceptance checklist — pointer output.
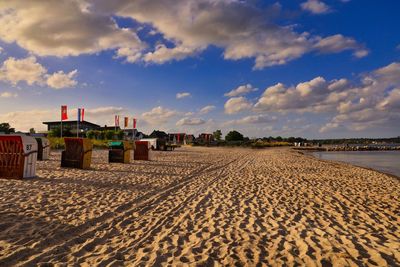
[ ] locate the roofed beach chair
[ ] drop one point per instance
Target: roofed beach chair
(142, 150)
(43, 148)
(120, 151)
(77, 153)
(18, 155)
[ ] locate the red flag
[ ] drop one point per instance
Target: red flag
(64, 113)
(116, 120)
(126, 122)
(179, 137)
(134, 123)
(83, 114)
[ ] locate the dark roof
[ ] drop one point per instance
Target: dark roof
(105, 127)
(69, 122)
(158, 134)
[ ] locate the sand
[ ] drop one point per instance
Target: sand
(202, 206)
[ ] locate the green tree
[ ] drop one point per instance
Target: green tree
(32, 130)
(56, 132)
(6, 128)
(109, 134)
(217, 135)
(234, 136)
(90, 134)
(120, 135)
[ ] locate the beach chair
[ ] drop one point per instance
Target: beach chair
(120, 151)
(142, 150)
(43, 148)
(77, 153)
(18, 155)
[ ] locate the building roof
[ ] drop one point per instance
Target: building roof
(112, 128)
(158, 134)
(69, 122)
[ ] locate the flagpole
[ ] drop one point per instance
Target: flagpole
(77, 122)
(61, 121)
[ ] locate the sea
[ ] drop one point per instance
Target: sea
(384, 161)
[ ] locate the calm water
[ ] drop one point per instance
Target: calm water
(385, 161)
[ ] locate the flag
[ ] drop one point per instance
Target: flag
(64, 114)
(81, 114)
(179, 137)
(116, 120)
(126, 122)
(134, 123)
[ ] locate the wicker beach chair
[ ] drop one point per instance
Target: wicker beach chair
(18, 156)
(77, 153)
(120, 151)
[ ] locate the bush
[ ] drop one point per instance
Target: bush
(234, 136)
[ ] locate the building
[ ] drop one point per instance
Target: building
(109, 128)
(205, 138)
(189, 139)
(133, 134)
(159, 135)
(72, 125)
(176, 138)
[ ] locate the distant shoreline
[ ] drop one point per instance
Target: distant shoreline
(310, 154)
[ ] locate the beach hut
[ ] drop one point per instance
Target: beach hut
(142, 150)
(18, 155)
(77, 153)
(120, 151)
(43, 148)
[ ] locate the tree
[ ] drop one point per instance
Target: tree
(32, 130)
(217, 135)
(234, 136)
(120, 135)
(6, 128)
(90, 134)
(109, 134)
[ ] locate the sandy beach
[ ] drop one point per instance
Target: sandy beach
(202, 206)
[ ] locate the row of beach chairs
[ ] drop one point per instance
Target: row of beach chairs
(19, 153)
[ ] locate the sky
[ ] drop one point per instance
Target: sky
(309, 68)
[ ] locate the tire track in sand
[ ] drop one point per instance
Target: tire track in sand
(76, 235)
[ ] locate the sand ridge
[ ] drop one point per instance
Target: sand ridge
(202, 206)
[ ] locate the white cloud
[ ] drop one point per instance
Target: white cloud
(64, 28)
(207, 109)
(110, 111)
(338, 43)
(182, 95)
(32, 72)
(237, 104)
(315, 7)
(190, 122)
(186, 28)
(254, 119)
(159, 115)
(306, 96)
(24, 120)
(27, 70)
(8, 95)
(163, 54)
(60, 79)
(241, 90)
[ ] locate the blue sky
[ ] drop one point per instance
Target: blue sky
(311, 68)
